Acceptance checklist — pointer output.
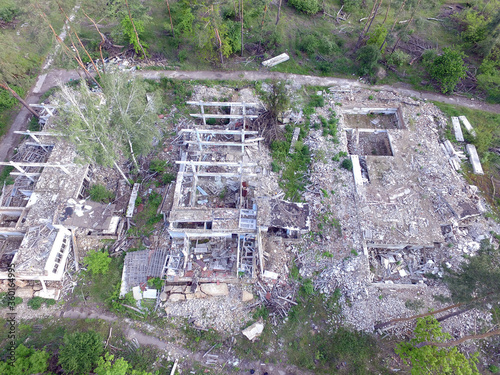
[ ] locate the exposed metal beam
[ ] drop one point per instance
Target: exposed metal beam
(223, 104)
(248, 142)
(209, 115)
(203, 174)
(218, 131)
(215, 163)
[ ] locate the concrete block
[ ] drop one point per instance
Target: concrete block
(214, 289)
(254, 331)
(474, 159)
(457, 129)
(246, 296)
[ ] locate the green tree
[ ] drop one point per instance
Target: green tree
(377, 37)
(474, 27)
(306, 6)
(477, 281)
(107, 365)
(80, 352)
(277, 99)
(97, 262)
(368, 57)
(121, 119)
(27, 361)
(448, 69)
(133, 30)
(429, 359)
(133, 114)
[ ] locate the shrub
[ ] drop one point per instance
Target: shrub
(99, 193)
(9, 11)
(80, 352)
(317, 101)
(167, 178)
(26, 361)
(307, 288)
(398, 58)
(428, 57)
(306, 6)
(347, 164)
(368, 57)
(158, 165)
(97, 262)
(351, 5)
(309, 44)
(36, 302)
(448, 69)
(6, 299)
(377, 37)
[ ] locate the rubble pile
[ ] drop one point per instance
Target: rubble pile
(220, 307)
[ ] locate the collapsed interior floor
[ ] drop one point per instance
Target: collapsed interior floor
(371, 121)
(375, 143)
(408, 265)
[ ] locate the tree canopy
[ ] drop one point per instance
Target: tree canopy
(428, 359)
(80, 352)
(28, 361)
(103, 125)
(477, 281)
(448, 69)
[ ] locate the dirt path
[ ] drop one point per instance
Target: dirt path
(51, 79)
(186, 357)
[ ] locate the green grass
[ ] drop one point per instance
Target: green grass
(147, 219)
(310, 341)
(294, 166)
(5, 176)
(49, 333)
(102, 288)
(486, 127)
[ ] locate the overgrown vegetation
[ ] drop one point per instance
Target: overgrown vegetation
(147, 218)
(294, 165)
(312, 341)
(487, 140)
(36, 302)
(99, 193)
(429, 359)
(97, 262)
(78, 345)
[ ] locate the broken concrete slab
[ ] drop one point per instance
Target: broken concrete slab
(163, 296)
(50, 293)
(136, 292)
(176, 297)
(214, 289)
(474, 159)
(24, 292)
(276, 60)
(456, 128)
(246, 296)
(254, 331)
(467, 125)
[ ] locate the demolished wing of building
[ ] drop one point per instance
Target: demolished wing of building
(42, 207)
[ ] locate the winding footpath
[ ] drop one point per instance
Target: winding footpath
(52, 78)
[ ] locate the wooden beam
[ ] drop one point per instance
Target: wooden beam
(223, 104)
(249, 142)
(27, 132)
(197, 115)
(218, 131)
(11, 211)
(27, 174)
(41, 165)
(215, 163)
(203, 174)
